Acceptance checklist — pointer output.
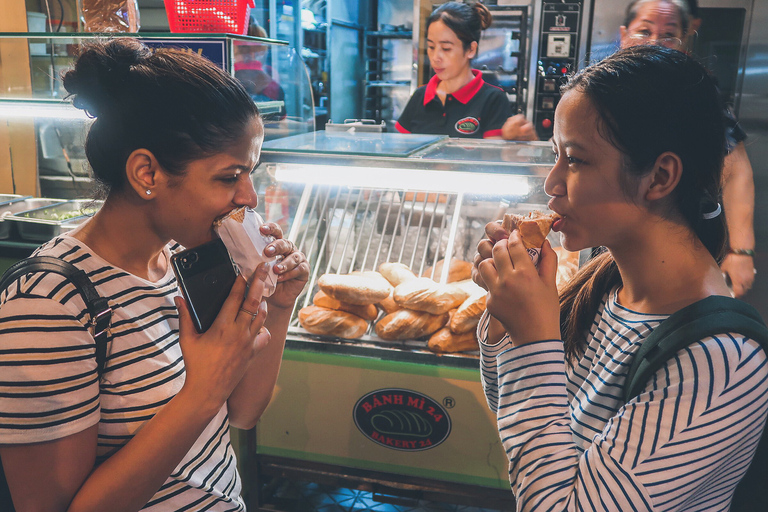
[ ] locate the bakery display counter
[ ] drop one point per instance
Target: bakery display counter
(380, 383)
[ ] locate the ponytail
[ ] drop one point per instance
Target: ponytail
(581, 297)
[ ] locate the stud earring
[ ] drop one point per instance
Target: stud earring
(148, 192)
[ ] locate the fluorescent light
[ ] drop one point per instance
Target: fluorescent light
(403, 179)
(29, 109)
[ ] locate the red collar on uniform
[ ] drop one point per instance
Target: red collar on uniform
(463, 95)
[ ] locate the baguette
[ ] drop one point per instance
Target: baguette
(446, 341)
(423, 294)
(459, 270)
(396, 273)
(468, 315)
(405, 324)
(362, 288)
(330, 322)
(368, 312)
(389, 305)
(533, 227)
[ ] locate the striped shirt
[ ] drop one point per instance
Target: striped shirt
(573, 444)
(49, 387)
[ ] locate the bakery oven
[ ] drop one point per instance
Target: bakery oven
(392, 411)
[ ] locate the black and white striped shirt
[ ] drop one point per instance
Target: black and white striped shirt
(49, 386)
(573, 444)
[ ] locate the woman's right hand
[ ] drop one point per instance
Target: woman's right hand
(494, 232)
(217, 359)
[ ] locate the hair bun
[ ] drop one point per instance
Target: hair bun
(486, 18)
(101, 72)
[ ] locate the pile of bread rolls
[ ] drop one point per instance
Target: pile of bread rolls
(412, 307)
(345, 304)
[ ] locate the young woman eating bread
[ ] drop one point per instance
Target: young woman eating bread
(639, 140)
(174, 142)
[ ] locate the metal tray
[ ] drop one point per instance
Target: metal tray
(22, 204)
(42, 224)
(10, 198)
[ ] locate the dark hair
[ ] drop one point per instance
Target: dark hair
(683, 11)
(174, 103)
(651, 100)
(466, 20)
(693, 7)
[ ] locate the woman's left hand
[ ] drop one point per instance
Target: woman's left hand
(292, 271)
(523, 298)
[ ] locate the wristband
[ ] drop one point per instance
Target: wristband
(743, 252)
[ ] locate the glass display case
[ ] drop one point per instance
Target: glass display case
(39, 116)
(44, 156)
(389, 415)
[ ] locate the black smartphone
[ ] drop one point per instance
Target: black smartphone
(205, 275)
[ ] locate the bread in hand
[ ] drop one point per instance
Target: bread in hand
(533, 227)
(446, 341)
(331, 322)
(361, 288)
(405, 324)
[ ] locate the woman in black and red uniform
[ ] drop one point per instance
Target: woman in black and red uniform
(456, 101)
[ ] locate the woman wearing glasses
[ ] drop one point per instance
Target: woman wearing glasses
(667, 23)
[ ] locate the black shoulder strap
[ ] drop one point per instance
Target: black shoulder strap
(98, 307)
(707, 317)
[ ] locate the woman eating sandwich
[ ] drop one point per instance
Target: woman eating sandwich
(174, 142)
(639, 143)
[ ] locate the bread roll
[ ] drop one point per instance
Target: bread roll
(368, 312)
(361, 288)
(396, 273)
(405, 324)
(389, 305)
(470, 287)
(446, 341)
(533, 227)
(458, 271)
(468, 315)
(330, 322)
(423, 294)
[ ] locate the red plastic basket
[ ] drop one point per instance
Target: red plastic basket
(215, 16)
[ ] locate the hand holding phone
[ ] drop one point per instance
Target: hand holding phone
(205, 275)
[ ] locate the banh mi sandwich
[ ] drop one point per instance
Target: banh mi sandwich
(533, 227)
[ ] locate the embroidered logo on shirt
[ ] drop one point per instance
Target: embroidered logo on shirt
(467, 125)
(401, 419)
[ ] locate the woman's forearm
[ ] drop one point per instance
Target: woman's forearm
(252, 395)
(739, 199)
(129, 478)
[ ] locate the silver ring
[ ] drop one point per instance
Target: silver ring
(253, 315)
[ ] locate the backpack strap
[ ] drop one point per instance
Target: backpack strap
(98, 306)
(98, 309)
(707, 317)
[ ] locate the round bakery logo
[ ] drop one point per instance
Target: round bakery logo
(402, 419)
(467, 125)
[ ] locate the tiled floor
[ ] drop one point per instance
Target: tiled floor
(293, 496)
